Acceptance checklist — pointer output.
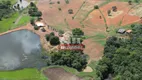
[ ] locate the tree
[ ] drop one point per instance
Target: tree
(67, 1)
(32, 4)
(39, 14)
(96, 7)
(47, 36)
(108, 12)
(52, 34)
(59, 9)
(130, 2)
(74, 59)
(58, 2)
(54, 40)
(77, 32)
(32, 21)
(137, 1)
(122, 57)
(36, 27)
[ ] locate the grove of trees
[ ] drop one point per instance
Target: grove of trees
(122, 57)
(54, 40)
(33, 10)
(6, 9)
(74, 59)
(77, 32)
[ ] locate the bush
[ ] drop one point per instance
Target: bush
(77, 32)
(61, 32)
(54, 40)
(52, 34)
(32, 21)
(47, 36)
(96, 7)
(36, 27)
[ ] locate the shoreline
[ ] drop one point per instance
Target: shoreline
(41, 34)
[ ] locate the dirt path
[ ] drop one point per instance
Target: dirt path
(18, 19)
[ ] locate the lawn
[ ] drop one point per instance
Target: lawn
(25, 74)
(12, 1)
(6, 24)
(23, 21)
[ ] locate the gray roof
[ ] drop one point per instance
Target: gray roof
(121, 30)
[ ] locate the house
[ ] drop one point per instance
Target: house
(67, 42)
(121, 31)
(65, 38)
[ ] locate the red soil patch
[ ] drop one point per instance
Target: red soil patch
(55, 17)
(122, 6)
(94, 50)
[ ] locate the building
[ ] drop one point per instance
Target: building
(76, 47)
(121, 31)
(128, 31)
(40, 24)
(67, 42)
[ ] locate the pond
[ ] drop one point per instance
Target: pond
(20, 49)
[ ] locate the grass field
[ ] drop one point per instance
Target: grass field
(12, 1)
(23, 21)
(25, 74)
(6, 24)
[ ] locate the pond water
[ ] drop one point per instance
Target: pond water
(20, 49)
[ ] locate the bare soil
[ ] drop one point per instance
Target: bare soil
(123, 18)
(59, 74)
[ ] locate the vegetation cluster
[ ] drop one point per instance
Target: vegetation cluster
(122, 58)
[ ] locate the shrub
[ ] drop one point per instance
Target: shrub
(54, 40)
(32, 21)
(77, 32)
(36, 27)
(47, 36)
(96, 7)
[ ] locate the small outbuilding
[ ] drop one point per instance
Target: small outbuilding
(39, 24)
(128, 31)
(121, 31)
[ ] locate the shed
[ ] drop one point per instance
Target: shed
(128, 31)
(121, 31)
(39, 24)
